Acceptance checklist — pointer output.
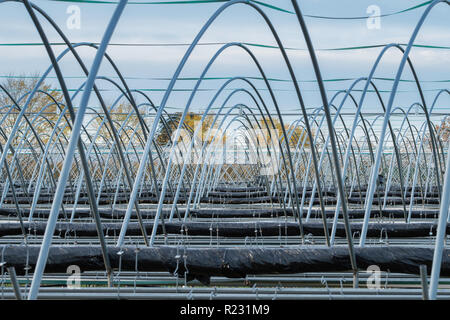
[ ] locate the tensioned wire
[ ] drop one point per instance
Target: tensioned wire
(264, 4)
(224, 78)
(230, 89)
(223, 43)
(246, 43)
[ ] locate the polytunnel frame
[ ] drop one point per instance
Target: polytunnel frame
(43, 253)
(64, 89)
(384, 126)
(172, 82)
(392, 95)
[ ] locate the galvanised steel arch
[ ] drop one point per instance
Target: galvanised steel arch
(118, 160)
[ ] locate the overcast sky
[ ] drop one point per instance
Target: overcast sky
(163, 24)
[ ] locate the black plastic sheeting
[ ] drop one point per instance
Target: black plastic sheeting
(202, 263)
(223, 200)
(107, 213)
(227, 229)
(233, 197)
(238, 193)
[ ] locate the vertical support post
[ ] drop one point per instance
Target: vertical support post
(441, 233)
(14, 282)
(424, 280)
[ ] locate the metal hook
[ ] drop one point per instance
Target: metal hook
(324, 281)
(341, 281)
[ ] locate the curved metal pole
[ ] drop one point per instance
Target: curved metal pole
(441, 233)
(337, 166)
(375, 167)
(74, 138)
(172, 83)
